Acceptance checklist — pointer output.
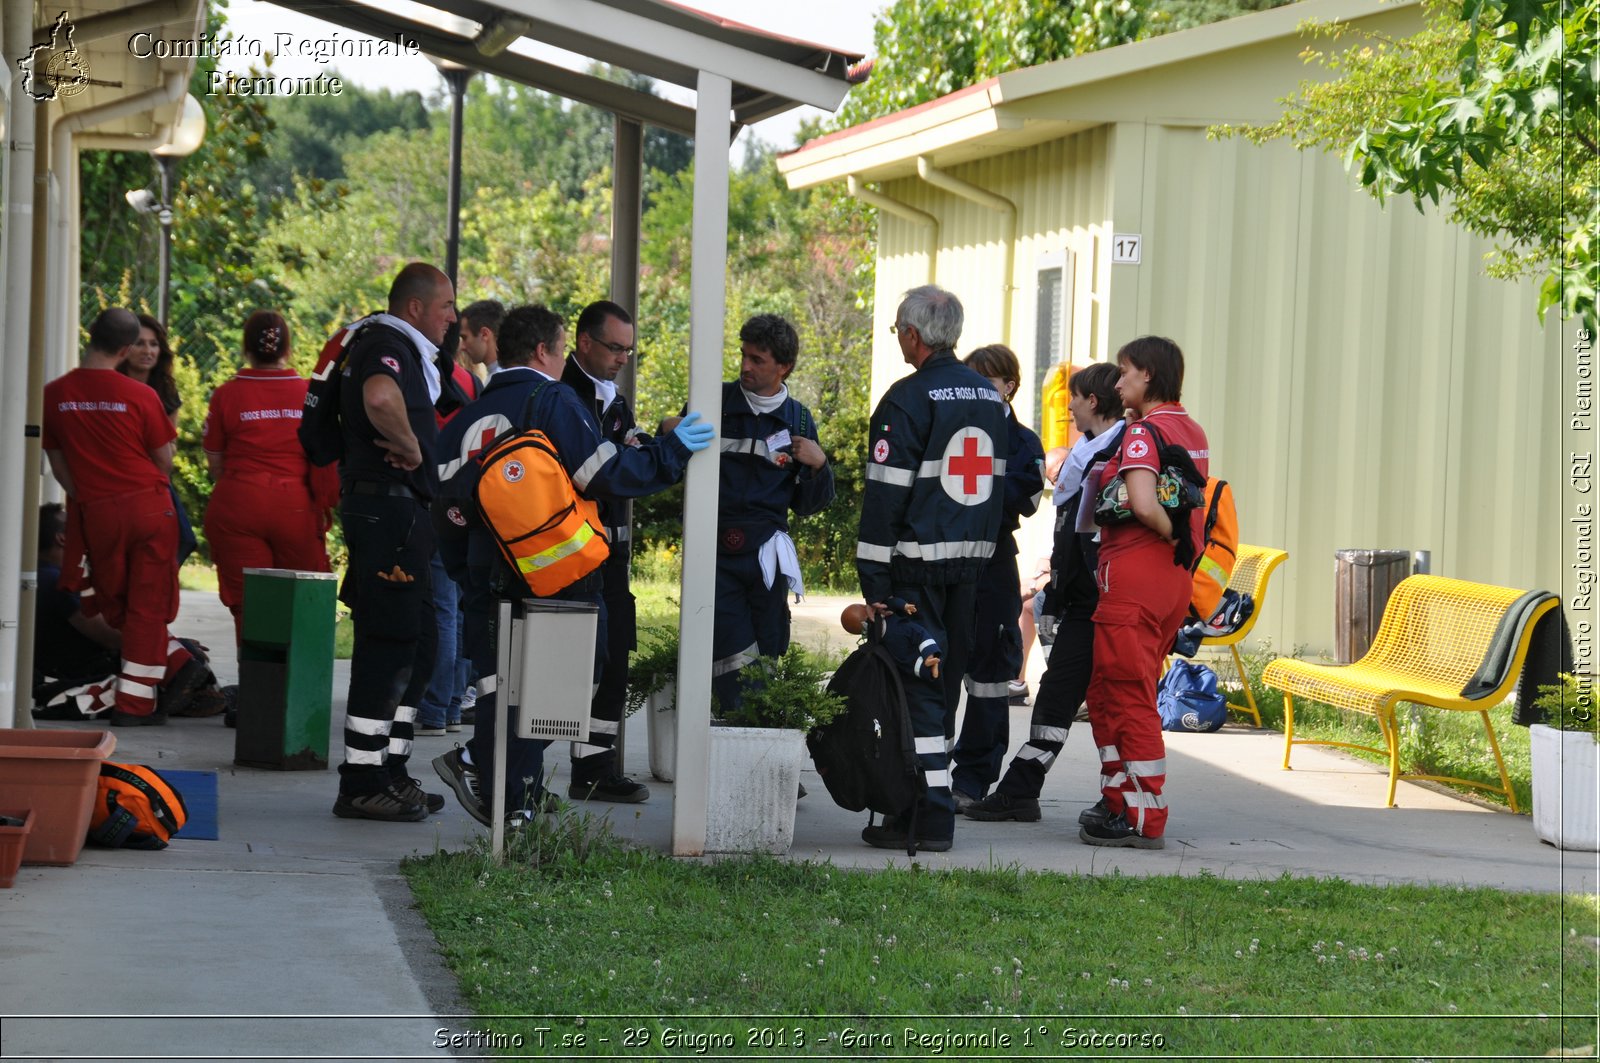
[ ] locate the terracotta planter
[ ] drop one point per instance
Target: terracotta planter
(1566, 788)
(55, 773)
(755, 782)
(12, 839)
(661, 708)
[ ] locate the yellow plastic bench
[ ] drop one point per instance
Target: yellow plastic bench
(1252, 568)
(1431, 642)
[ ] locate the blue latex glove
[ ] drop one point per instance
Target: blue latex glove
(694, 433)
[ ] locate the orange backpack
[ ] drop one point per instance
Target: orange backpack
(546, 531)
(1215, 565)
(135, 807)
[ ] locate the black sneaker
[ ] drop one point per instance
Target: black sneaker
(1016, 693)
(461, 778)
(998, 806)
(963, 800)
(411, 789)
(890, 834)
(1116, 831)
(618, 788)
(230, 698)
(1095, 813)
(207, 701)
(133, 719)
(387, 804)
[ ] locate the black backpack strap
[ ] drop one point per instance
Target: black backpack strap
(115, 830)
(908, 742)
(529, 418)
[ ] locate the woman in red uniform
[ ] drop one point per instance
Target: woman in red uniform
(267, 510)
(1144, 595)
(150, 361)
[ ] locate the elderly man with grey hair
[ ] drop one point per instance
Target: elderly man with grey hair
(930, 517)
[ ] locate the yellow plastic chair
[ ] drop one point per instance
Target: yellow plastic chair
(1430, 642)
(1251, 570)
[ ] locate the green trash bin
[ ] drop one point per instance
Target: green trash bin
(285, 669)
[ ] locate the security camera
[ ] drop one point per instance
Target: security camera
(144, 201)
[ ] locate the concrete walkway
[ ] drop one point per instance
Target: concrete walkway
(294, 935)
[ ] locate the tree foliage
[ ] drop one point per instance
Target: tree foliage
(1490, 111)
(924, 49)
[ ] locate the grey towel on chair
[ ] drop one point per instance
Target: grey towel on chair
(1549, 654)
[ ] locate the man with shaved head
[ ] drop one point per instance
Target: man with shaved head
(110, 446)
(387, 480)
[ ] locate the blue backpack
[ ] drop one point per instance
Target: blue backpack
(1188, 699)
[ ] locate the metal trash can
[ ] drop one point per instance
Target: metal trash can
(1363, 581)
(285, 670)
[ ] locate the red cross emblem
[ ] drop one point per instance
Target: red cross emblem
(968, 475)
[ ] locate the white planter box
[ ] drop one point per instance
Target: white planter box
(1566, 788)
(755, 782)
(660, 707)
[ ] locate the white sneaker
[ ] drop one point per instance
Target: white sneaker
(470, 698)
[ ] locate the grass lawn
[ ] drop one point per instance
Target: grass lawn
(750, 958)
(197, 576)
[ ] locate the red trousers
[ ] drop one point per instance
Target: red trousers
(1143, 599)
(261, 522)
(131, 542)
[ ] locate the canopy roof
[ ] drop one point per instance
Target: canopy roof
(666, 41)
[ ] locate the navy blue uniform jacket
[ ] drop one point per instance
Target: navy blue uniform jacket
(761, 481)
(935, 479)
(600, 469)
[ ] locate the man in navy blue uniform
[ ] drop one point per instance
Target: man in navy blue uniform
(930, 517)
(530, 340)
(604, 343)
(771, 463)
(386, 477)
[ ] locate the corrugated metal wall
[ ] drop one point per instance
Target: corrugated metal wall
(1059, 192)
(1362, 382)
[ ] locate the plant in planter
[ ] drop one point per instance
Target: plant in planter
(757, 753)
(1566, 764)
(653, 681)
(787, 692)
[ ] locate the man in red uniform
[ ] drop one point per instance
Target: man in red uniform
(110, 445)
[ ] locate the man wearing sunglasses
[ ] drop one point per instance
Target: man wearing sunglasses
(605, 343)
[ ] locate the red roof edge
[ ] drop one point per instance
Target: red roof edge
(898, 116)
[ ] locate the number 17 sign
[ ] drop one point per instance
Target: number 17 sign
(1125, 248)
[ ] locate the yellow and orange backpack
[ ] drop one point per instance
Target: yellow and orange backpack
(1214, 567)
(135, 808)
(547, 532)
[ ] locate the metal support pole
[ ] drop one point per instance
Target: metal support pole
(708, 305)
(33, 453)
(627, 208)
(21, 147)
(456, 77)
(164, 291)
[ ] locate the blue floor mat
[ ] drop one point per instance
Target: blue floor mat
(199, 790)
